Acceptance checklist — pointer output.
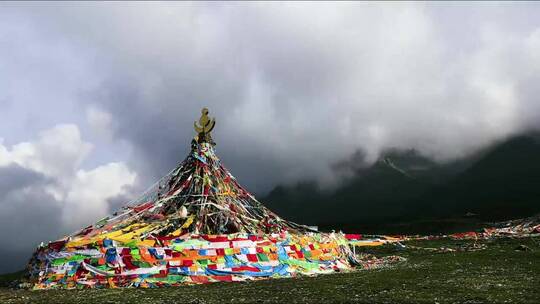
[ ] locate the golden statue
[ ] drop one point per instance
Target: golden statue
(206, 125)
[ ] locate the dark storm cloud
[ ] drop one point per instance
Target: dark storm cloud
(297, 87)
(28, 215)
(14, 177)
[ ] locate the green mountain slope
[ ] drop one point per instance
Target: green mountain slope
(504, 183)
(501, 182)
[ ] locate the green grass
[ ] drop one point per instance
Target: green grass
(7, 280)
(498, 274)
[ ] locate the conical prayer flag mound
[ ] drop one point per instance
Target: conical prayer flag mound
(197, 224)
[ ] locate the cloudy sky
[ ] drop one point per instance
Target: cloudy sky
(97, 100)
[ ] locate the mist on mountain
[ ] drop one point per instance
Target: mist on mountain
(407, 192)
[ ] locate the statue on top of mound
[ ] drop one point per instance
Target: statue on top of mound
(206, 125)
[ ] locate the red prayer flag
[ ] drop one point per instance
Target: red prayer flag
(252, 257)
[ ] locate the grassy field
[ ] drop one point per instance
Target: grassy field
(500, 273)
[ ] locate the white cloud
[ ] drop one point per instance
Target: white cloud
(100, 122)
(87, 197)
(57, 154)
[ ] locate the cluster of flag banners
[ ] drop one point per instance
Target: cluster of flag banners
(195, 225)
(197, 259)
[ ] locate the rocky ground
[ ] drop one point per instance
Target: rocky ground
(437, 271)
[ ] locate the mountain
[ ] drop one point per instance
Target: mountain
(497, 183)
(501, 184)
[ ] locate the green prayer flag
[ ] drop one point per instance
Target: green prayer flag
(262, 257)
